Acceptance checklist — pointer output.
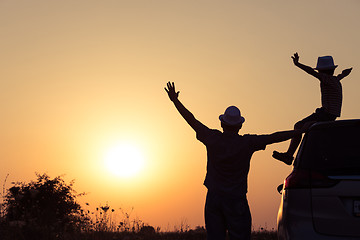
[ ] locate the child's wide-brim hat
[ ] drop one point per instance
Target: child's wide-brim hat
(325, 63)
(232, 117)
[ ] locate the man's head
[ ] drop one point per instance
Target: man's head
(232, 120)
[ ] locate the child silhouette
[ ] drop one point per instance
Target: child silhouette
(331, 99)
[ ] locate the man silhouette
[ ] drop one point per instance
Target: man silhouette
(228, 162)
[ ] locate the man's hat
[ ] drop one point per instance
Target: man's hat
(325, 63)
(232, 116)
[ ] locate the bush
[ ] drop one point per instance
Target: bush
(43, 207)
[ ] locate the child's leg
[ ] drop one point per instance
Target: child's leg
(288, 156)
(295, 141)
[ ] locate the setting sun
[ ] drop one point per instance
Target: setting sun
(124, 160)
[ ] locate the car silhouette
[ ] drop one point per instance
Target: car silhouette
(321, 196)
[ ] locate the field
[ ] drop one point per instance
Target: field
(199, 234)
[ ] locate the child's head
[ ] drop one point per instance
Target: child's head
(327, 71)
(326, 65)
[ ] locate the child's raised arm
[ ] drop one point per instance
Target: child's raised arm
(344, 73)
(307, 69)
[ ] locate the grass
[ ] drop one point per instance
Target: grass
(148, 233)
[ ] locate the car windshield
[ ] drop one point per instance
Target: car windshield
(332, 151)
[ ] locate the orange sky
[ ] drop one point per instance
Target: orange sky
(79, 76)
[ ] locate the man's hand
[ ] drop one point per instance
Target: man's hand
(346, 72)
(173, 95)
(295, 58)
(184, 112)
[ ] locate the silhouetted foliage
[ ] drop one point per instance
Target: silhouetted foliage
(46, 209)
(43, 206)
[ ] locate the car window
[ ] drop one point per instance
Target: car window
(332, 151)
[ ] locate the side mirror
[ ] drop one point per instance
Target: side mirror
(280, 188)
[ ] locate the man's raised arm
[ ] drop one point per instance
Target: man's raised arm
(184, 112)
(281, 136)
(286, 135)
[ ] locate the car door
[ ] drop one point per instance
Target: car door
(334, 156)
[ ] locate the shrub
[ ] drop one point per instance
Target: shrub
(46, 206)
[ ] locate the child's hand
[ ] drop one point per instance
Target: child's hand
(173, 95)
(295, 58)
(346, 71)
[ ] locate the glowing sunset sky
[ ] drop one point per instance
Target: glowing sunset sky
(79, 77)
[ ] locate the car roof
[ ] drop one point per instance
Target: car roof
(337, 123)
(311, 146)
